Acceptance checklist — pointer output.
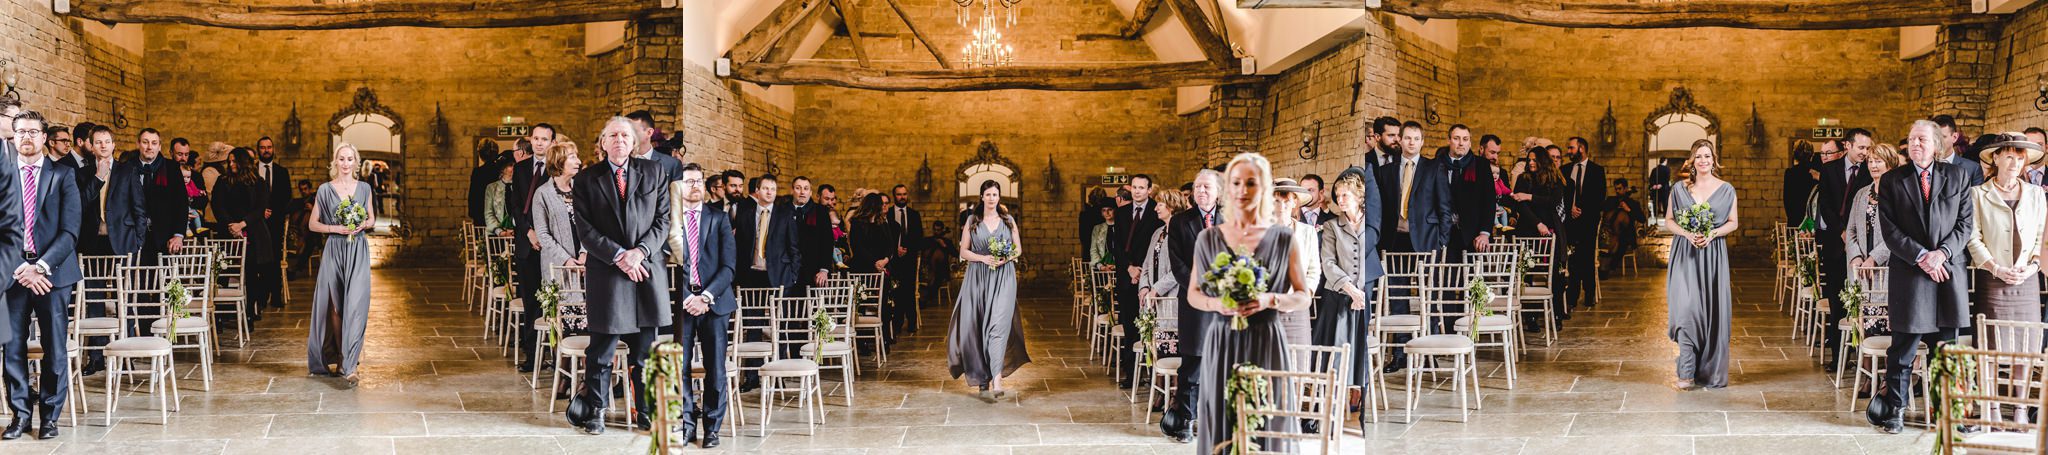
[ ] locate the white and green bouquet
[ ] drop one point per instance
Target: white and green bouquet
(1003, 249)
(1698, 219)
(1247, 389)
(822, 328)
(351, 214)
(176, 299)
(1478, 295)
(1237, 279)
(1147, 322)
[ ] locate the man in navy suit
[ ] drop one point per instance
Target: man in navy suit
(112, 221)
(165, 205)
(622, 205)
(703, 254)
(668, 163)
(1586, 187)
(1177, 421)
(1416, 212)
(529, 174)
(767, 233)
(45, 272)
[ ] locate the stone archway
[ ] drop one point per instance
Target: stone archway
(378, 133)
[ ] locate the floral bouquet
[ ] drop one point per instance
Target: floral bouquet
(1147, 322)
(1003, 249)
(1852, 301)
(1698, 219)
(175, 299)
(501, 270)
(1253, 391)
(1809, 274)
(666, 375)
(1952, 378)
(1237, 279)
(351, 214)
(550, 298)
(821, 329)
(1478, 295)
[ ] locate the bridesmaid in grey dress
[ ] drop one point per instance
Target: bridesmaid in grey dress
(986, 340)
(1697, 290)
(341, 299)
(1250, 224)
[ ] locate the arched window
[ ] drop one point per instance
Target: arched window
(379, 134)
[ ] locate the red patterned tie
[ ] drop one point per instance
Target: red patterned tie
(621, 176)
(1926, 190)
(28, 204)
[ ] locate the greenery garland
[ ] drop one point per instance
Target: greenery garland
(1147, 321)
(1852, 304)
(1246, 388)
(666, 375)
(1478, 295)
(1951, 379)
(176, 299)
(550, 298)
(501, 270)
(821, 330)
(1809, 275)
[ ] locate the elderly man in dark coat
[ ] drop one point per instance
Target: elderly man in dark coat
(1928, 208)
(622, 206)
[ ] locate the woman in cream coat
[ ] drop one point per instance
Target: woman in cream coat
(2007, 244)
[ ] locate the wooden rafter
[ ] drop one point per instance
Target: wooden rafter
(1139, 17)
(1026, 77)
(383, 13)
(1789, 15)
(1213, 46)
(766, 34)
(919, 33)
(846, 16)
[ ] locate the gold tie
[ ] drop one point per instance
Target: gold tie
(1407, 182)
(761, 220)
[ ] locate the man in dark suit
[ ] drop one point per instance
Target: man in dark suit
(901, 313)
(813, 234)
(1312, 211)
(669, 164)
(164, 200)
(1472, 195)
(529, 173)
(61, 151)
(1178, 420)
(703, 255)
(1130, 237)
(767, 230)
(481, 177)
(1415, 214)
(1925, 206)
(1386, 143)
(111, 221)
(622, 205)
(1660, 188)
(44, 274)
(279, 179)
(1586, 188)
(1839, 181)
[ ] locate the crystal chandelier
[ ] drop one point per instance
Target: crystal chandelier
(987, 48)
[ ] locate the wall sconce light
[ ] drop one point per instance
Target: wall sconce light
(120, 119)
(2040, 102)
(924, 177)
(1053, 183)
(438, 131)
(13, 78)
(1757, 136)
(292, 131)
(1311, 140)
(1609, 133)
(1429, 113)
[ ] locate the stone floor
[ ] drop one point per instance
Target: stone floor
(431, 384)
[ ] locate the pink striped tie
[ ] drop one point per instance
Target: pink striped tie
(28, 204)
(690, 230)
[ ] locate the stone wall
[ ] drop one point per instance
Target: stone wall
(1521, 80)
(68, 73)
(213, 84)
(2018, 77)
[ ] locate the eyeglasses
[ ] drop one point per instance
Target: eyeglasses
(693, 181)
(28, 132)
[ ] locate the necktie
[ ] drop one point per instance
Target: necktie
(762, 217)
(621, 176)
(1578, 183)
(1407, 182)
(690, 231)
(28, 204)
(1209, 217)
(1926, 188)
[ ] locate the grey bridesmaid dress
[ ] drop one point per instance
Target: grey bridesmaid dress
(1262, 343)
(986, 337)
(1699, 296)
(341, 297)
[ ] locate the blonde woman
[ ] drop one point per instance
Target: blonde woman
(2007, 243)
(341, 297)
(1697, 291)
(1250, 225)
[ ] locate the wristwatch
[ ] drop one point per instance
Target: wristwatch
(42, 268)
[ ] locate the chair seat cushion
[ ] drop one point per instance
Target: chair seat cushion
(1486, 323)
(575, 344)
(185, 325)
(1168, 365)
(97, 324)
(789, 367)
(1440, 345)
(1399, 320)
(139, 347)
(1875, 345)
(833, 348)
(228, 293)
(1535, 291)
(867, 321)
(747, 347)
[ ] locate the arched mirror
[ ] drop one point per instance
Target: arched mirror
(1669, 134)
(987, 165)
(379, 133)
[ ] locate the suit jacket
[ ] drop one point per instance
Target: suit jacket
(1472, 197)
(556, 229)
(612, 225)
(519, 200)
(782, 257)
(870, 242)
(1798, 183)
(480, 178)
(1429, 208)
(1971, 169)
(714, 254)
(1915, 225)
(126, 221)
(1354, 256)
(165, 203)
(910, 232)
(813, 225)
(669, 165)
(10, 218)
(1320, 215)
(1835, 189)
(1131, 236)
(281, 206)
(70, 160)
(1589, 197)
(1181, 233)
(56, 232)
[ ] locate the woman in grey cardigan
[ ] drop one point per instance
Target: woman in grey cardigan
(1155, 277)
(1862, 241)
(553, 227)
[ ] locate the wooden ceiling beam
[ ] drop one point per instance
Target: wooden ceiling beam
(846, 16)
(1791, 15)
(765, 35)
(383, 13)
(1213, 45)
(921, 38)
(1020, 77)
(1139, 17)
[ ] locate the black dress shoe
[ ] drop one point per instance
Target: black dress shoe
(582, 416)
(15, 429)
(1883, 416)
(689, 435)
(48, 431)
(711, 440)
(526, 368)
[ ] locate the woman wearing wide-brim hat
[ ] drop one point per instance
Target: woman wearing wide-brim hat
(2007, 246)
